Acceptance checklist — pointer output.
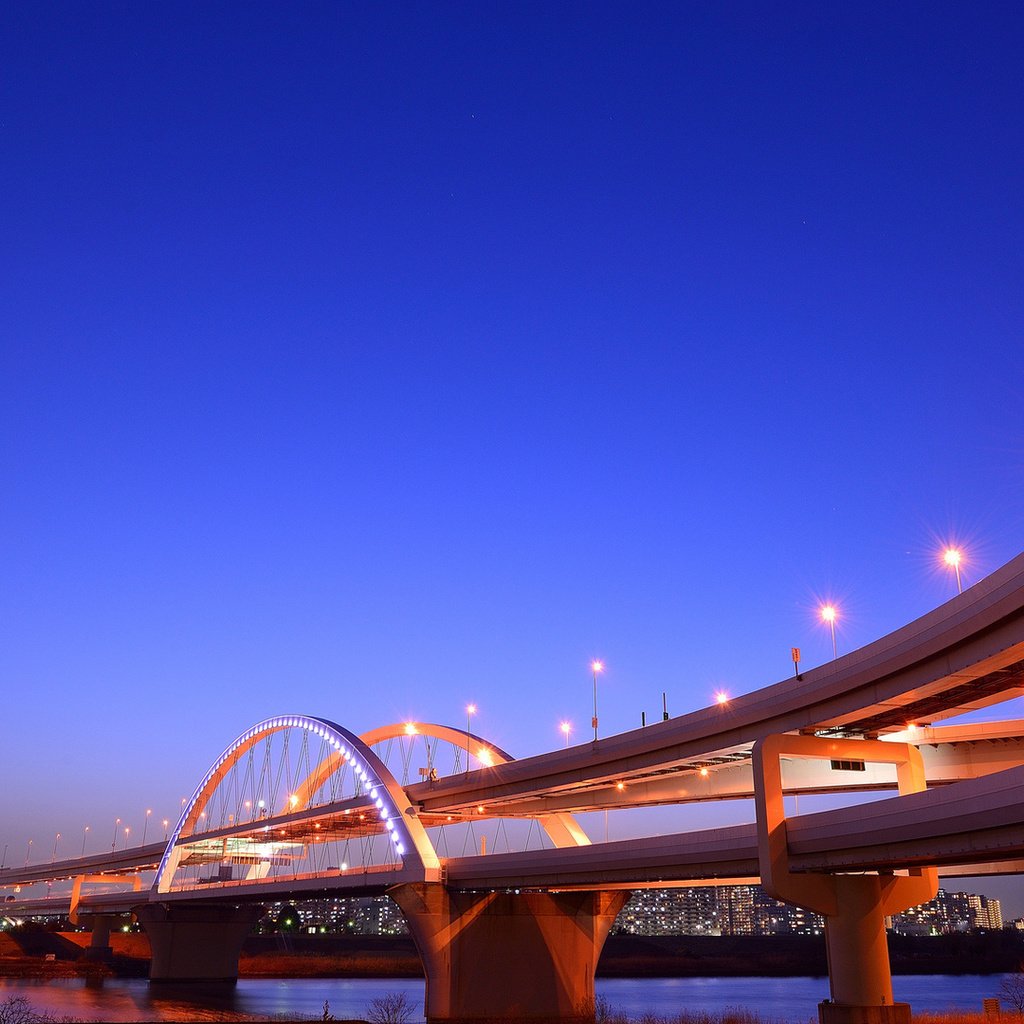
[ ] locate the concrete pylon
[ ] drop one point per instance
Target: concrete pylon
(99, 947)
(508, 956)
(197, 942)
(854, 906)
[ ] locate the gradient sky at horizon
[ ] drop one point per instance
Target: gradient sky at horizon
(365, 360)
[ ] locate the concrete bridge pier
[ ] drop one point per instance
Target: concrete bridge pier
(198, 942)
(860, 979)
(99, 947)
(854, 905)
(508, 956)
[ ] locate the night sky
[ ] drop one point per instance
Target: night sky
(365, 360)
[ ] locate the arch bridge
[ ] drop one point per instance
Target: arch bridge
(300, 806)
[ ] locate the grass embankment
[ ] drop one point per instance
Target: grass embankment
(22, 954)
(329, 956)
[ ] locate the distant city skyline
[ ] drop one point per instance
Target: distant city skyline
(374, 362)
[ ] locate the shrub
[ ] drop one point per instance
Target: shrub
(394, 1008)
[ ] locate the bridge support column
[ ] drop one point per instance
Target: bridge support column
(854, 906)
(860, 980)
(99, 947)
(504, 956)
(196, 943)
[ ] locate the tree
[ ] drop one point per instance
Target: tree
(1012, 989)
(394, 1008)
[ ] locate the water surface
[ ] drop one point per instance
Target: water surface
(788, 1000)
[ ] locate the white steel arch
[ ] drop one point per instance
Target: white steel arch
(397, 814)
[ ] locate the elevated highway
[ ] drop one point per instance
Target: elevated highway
(346, 823)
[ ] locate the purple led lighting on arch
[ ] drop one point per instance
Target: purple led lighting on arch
(340, 739)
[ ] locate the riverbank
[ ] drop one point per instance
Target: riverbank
(625, 956)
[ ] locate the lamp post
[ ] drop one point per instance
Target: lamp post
(952, 557)
(85, 832)
(113, 845)
(595, 667)
(28, 852)
(470, 712)
(166, 823)
(145, 827)
(56, 840)
(829, 615)
(566, 728)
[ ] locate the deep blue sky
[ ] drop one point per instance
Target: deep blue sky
(363, 360)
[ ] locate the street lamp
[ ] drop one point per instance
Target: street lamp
(470, 712)
(829, 614)
(595, 667)
(952, 557)
(85, 832)
(145, 826)
(566, 728)
(56, 840)
(113, 845)
(166, 823)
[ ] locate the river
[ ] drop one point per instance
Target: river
(789, 1000)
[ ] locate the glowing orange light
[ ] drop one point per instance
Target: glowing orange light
(485, 757)
(951, 556)
(721, 697)
(293, 800)
(480, 809)
(703, 773)
(620, 786)
(410, 729)
(565, 727)
(829, 613)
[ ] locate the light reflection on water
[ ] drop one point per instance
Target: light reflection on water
(792, 1000)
